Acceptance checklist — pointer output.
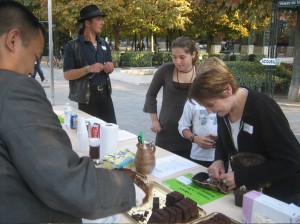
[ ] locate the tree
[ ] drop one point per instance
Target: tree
(294, 91)
(233, 19)
(155, 16)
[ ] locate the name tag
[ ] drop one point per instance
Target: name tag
(104, 48)
(248, 128)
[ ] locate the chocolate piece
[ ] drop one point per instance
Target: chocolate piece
(178, 217)
(217, 218)
(172, 214)
(192, 206)
(155, 204)
(185, 211)
(173, 197)
(138, 217)
(159, 216)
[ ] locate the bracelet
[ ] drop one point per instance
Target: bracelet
(192, 138)
(86, 69)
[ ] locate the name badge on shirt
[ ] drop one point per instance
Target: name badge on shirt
(248, 128)
(104, 47)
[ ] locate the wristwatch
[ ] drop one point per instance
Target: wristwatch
(86, 69)
(192, 138)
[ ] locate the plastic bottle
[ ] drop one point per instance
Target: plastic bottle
(82, 135)
(67, 114)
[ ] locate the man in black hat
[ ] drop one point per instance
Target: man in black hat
(87, 65)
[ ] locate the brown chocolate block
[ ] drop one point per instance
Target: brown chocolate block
(172, 214)
(155, 204)
(192, 205)
(159, 216)
(185, 211)
(173, 197)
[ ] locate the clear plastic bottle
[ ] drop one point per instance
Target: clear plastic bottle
(67, 114)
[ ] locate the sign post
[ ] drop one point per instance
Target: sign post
(289, 4)
(270, 61)
(269, 64)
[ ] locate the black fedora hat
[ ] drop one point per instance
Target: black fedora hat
(90, 11)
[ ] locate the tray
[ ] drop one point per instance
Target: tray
(215, 218)
(143, 212)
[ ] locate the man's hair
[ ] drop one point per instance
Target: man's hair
(14, 15)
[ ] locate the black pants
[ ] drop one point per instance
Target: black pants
(100, 106)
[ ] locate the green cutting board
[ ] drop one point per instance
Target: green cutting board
(184, 186)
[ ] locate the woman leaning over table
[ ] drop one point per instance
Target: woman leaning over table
(175, 78)
(249, 121)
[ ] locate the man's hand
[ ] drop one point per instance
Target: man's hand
(139, 195)
(96, 68)
(108, 67)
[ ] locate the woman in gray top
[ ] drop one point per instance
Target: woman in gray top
(175, 78)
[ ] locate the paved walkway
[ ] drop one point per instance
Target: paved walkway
(129, 91)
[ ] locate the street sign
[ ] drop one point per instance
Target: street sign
(289, 4)
(270, 61)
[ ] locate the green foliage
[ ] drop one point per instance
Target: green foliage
(161, 58)
(248, 74)
(287, 66)
(136, 59)
(116, 57)
(255, 57)
(125, 59)
(282, 79)
(253, 75)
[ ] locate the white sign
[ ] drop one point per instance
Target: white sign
(270, 61)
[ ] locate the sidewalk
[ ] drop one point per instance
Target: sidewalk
(129, 91)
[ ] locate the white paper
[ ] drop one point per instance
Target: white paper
(184, 180)
(108, 139)
(170, 165)
(125, 135)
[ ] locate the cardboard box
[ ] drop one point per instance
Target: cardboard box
(260, 208)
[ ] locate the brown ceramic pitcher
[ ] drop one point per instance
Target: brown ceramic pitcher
(145, 158)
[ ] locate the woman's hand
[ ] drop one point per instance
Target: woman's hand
(155, 127)
(216, 169)
(204, 142)
(228, 179)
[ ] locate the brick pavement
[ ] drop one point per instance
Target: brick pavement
(129, 91)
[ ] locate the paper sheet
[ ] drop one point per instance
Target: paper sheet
(125, 135)
(170, 165)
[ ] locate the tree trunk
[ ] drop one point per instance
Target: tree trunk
(294, 92)
(151, 43)
(210, 40)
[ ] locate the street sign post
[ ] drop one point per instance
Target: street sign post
(269, 64)
(270, 61)
(289, 4)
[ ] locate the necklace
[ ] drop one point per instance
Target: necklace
(186, 72)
